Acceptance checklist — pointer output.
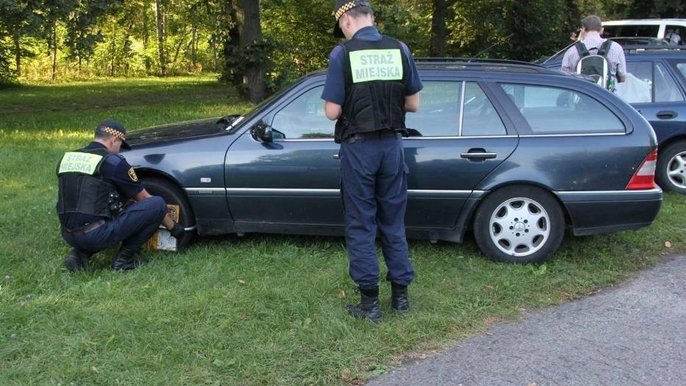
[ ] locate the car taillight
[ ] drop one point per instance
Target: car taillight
(644, 178)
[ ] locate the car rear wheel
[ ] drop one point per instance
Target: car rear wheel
(172, 195)
(519, 224)
(671, 168)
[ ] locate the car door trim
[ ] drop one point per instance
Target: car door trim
(241, 191)
(612, 195)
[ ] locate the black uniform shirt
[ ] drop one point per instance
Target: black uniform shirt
(116, 170)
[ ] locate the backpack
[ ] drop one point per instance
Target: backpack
(595, 65)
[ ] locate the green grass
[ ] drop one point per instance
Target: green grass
(253, 310)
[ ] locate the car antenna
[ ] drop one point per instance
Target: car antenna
(489, 47)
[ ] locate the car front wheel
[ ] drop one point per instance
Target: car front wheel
(173, 196)
(519, 224)
(671, 168)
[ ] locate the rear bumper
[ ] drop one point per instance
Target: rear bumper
(594, 212)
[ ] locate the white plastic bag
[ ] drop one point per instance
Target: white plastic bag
(633, 90)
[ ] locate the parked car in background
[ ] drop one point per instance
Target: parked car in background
(656, 87)
(669, 29)
(513, 152)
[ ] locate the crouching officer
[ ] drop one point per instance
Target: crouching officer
(371, 82)
(94, 183)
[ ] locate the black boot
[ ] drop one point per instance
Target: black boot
(77, 260)
(399, 299)
(125, 260)
(368, 308)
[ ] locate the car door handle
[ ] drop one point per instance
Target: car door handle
(336, 156)
(667, 114)
(478, 154)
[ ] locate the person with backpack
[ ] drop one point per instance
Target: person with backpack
(601, 59)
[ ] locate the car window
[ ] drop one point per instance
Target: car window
(673, 34)
(439, 112)
(682, 69)
(647, 82)
(630, 30)
(666, 89)
(480, 117)
(304, 118)
(552, 110)
(638, 85)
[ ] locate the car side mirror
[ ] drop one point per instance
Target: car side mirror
(229, 119)
(262, 132)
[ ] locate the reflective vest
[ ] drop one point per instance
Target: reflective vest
(376, 73)
(81, 187)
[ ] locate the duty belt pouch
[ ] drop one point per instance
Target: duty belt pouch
(342, 126)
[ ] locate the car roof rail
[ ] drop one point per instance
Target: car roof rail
(651, 47)
(480, 64)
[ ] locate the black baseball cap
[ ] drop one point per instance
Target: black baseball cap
(114, 128)
(343, 6)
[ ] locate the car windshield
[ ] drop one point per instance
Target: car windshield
(265, 103)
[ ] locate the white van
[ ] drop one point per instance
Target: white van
(656, 28)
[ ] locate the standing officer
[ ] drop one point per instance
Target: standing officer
(94, 183)
(371, 82)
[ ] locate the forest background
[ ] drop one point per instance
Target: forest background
(261, 45)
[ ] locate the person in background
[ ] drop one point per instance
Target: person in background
(371, 83)
(94, 183)
(673, 37)
(591, 29)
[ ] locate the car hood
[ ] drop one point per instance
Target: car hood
(179, 131)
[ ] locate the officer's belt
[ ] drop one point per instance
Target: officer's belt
(373, 134)
(86, 228)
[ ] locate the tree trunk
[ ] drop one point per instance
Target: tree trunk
(17, 52)
(53, 42)
(249, 19)
(146, 37)
(179, 44)
(215, 56)
(113, 49)
(194, 46)
(160, 20)
(439, 32)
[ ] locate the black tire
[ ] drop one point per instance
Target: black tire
(172, 195)
(519, 224)
(671, 168)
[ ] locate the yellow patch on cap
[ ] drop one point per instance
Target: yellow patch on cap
(343, 9)
(115, 133)
(132, 175)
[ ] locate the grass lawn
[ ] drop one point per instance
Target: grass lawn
(254, 310)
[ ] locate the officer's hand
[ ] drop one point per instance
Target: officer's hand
(177, 231)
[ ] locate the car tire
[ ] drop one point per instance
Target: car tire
(519, 224)
(172, 195)
(671, 168)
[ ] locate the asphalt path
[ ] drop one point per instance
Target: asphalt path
(630, 334)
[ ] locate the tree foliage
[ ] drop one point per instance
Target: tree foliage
(268, 43)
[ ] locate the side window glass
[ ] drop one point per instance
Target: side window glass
(551, 110)
(637, 30)
(304, 118)
(682, 69)
(439, 113)
(610, 31)
(479, 116)
(673, 34)
(666, 89)
(638, 86)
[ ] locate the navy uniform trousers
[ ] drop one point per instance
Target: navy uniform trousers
(132, 227)
(374, 190)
